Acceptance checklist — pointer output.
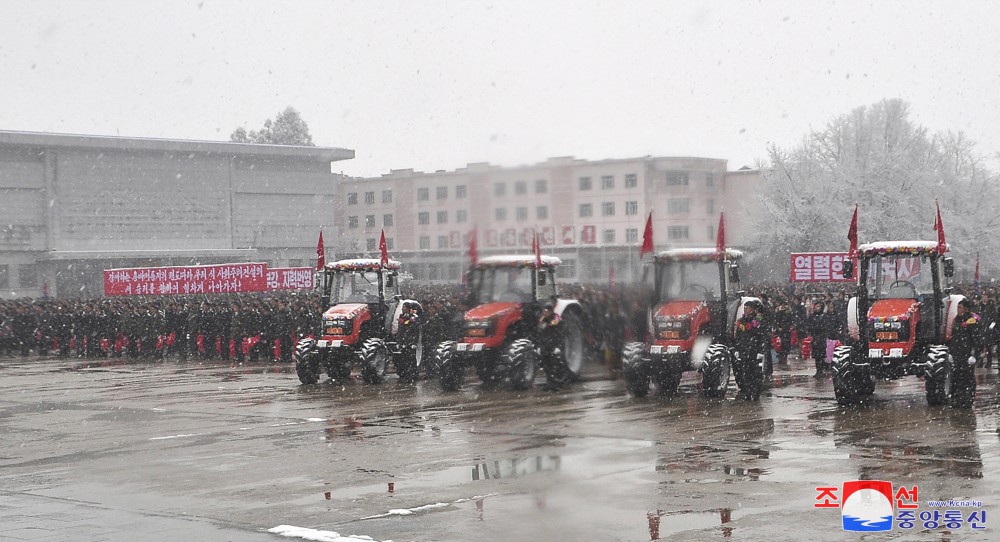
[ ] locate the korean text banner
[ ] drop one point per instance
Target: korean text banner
(818, 267)
(194, 279)
(289, 278)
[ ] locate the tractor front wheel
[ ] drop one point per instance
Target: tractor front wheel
(450, 370)
(374, 360)
(523, 362)
(634, 370)
(716, 372)
(937, 378)
(306, 358)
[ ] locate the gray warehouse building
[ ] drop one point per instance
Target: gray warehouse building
(74, 205)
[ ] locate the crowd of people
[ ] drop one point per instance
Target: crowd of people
(265, 326)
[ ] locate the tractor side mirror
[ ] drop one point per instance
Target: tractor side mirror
(949, 267)
(848, 269)
(734, 273)
(541, 278)
(390, 280)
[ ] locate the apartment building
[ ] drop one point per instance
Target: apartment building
(591, 214)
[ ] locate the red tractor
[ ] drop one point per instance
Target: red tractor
(900, 323)
(696, 304)
(501, 335)
(368, 322)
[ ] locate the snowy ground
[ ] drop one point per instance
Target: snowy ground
(246, 453)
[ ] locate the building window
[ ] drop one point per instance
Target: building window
(631, 207)
(677, 178)
(371, 245)
(423, 218)
(520, 188)
(711, 232)
(541, 186)
(608, 182)
(388, 243)
(677, 232)
(442, 192)
(461, 216)
(608, 208)
(631, 180)
(542, 212)
(352, 198)
(500, 214)
(585, 183)
(352, 222)
(609, 236)
(423, 194)
(369, 221)
(425, 242)
(442, 241)
(522, 213)
(387, 220)
(499, 189)
(387, 196)
(460, 191)
(369, 198)
(442, 217)
(586, 210)
(632, 235)
(677, 205)
(709, 179)
(710, 206)
(567, 270)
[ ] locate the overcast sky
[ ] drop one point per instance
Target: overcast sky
(437, 85)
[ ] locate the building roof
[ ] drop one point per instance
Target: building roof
(75, 141)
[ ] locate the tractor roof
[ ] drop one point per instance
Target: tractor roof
(911, 248)
(516, 260)
(361, 264)
(697, 255)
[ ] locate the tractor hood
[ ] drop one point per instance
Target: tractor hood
(892, 309)
(345, 310)
(679, 309)
(491, 310)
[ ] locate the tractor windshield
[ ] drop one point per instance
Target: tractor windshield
(688, 280)
(899, 276)
(355, 286)
(512, 284)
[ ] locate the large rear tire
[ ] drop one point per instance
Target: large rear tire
(306, 357)
(374, 361)
(634, 370)
(937, 379)
(451, 372)
(572, 351)
(523, 362)
(716, 372)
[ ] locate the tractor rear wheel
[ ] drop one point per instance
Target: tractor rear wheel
(716, 372)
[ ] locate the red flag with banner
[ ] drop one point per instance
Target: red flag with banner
(720, 239)
(647, 237)
(474, 246)
(383, 249)
(852, 234)
(320, 252)
(537, 249)
(942, 246)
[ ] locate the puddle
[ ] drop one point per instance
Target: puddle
(663, 524)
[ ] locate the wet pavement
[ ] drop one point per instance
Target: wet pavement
(200, 450)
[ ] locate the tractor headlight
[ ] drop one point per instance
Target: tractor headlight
(897, 325)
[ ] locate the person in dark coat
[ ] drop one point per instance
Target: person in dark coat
(751, 339)
(817, 326)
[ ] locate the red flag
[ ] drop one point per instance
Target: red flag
(537, 250)
(320, 252)
(382, 248)
(647, 237)
(852, 234)
(942, 246)
(474, 246)
(720, 238)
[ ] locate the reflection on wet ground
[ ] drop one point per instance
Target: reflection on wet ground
(248, 445)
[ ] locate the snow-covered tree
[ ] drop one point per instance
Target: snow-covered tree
(287, 128)
(876, 157)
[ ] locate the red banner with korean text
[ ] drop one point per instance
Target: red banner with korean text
(181, 280)
(819, 267)
(290, 278)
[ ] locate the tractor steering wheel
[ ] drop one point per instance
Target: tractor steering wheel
(899, 284)
(698, 287)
